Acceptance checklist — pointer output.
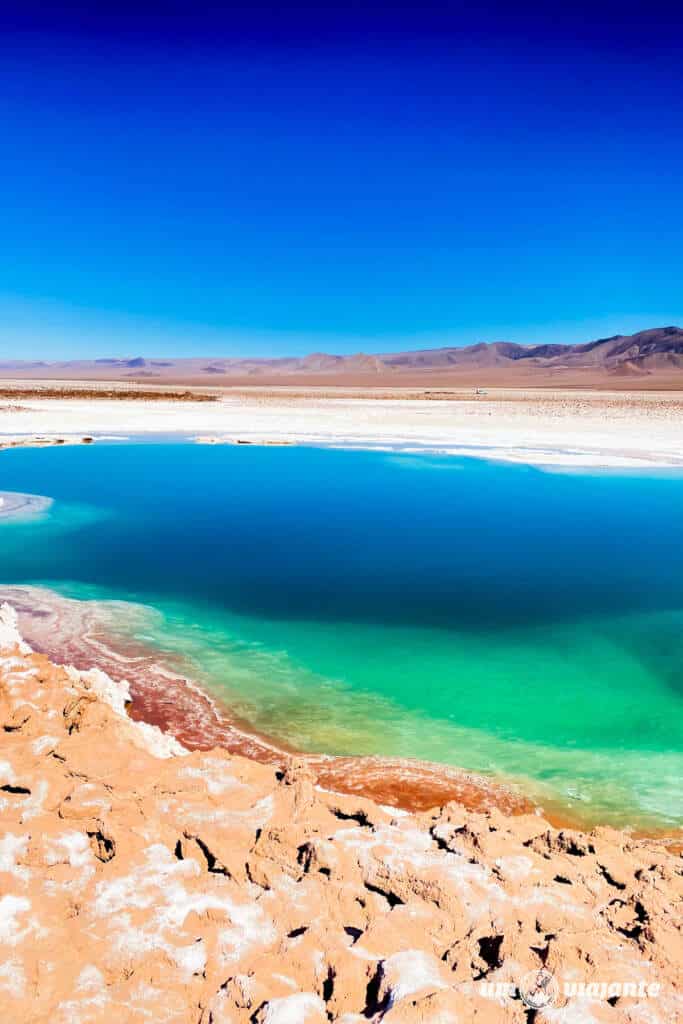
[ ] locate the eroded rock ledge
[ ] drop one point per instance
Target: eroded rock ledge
(139, 882)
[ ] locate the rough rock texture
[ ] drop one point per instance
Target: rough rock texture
(142, 883)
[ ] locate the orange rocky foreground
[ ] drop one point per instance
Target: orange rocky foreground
(139, 882)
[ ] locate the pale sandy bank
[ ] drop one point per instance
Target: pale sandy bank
(15, 506)
(542, 428)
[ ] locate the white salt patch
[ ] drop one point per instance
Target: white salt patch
(117, 695)
(90, 978)
(393, 812)
(142, 886)
(213, 774)
(285, 980)
(515, 867)
(409, 852)
(158, 884)
(32, 805)
(70, 848)
(10, 636)
(294, 1009)
(98, 802)
(10, 907)
(251, 928)
(191, 958)
(16, 679)
(260, 814)
(17, 667)
(12, 846)
(577, 1011)
(12, 978)
(158, 743)
(7, 776)
(409, 972)
(254, 817)
(44, 744)
(92, 993)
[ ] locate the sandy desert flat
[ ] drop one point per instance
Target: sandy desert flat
(532, 425)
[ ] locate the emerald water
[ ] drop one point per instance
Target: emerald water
(502, 618)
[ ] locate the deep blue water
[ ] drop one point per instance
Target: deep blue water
(538, 611)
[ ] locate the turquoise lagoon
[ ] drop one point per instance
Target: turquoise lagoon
(505, 619)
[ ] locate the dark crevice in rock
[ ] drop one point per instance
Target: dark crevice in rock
(641, 912)
(251, 879)
(103, 845)
(563, 880)
(641, 919)
(304, 856)
(16, 790)
(255, 1015)
(328, 985)
(358, 816)
(609, 879)
(489, 951)
(212, 862)
(178, 851)
(354, 933)
(541, 952)
(373, 1004)
(441, 843)
(392, 899)
(296, 932)
(572, 847)
(562, 842)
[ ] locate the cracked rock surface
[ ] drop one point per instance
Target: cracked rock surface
(139, 882)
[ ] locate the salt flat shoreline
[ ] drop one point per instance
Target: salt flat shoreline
(563, 428)
(165, 694)
(78, 632)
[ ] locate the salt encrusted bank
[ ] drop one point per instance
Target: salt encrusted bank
(139, 881)
(538, 427)
(15, 506)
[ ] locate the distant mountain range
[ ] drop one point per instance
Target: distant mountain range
(648, 351)
(655, 353)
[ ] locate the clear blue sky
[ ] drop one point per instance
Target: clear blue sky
(266, 181)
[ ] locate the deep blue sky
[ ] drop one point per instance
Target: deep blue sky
(217, 180)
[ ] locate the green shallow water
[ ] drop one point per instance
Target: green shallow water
(505, 620)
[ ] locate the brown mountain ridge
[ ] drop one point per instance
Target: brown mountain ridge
(655, 354)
